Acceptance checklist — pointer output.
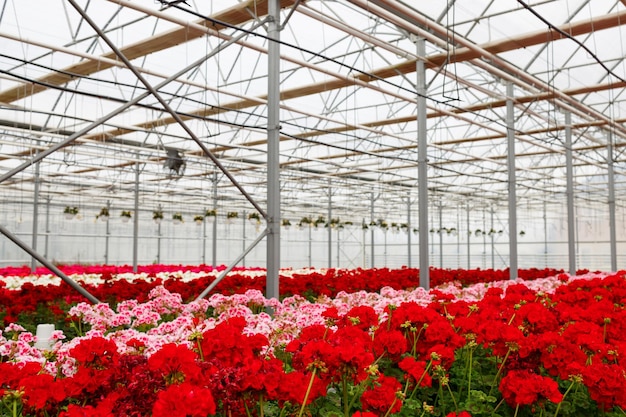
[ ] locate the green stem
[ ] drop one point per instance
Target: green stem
(247, 409)
(469, 375)
(495, 379)
(346, 406)
(308, 391)
(200, 350)
(497, 406)
(558, 407)
(516, 410)
(261, 411)
(390, 407)
(417, 384)
(456, 406)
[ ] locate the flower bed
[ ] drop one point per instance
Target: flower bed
(548, 347)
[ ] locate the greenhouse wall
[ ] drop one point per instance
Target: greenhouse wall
(84, 238)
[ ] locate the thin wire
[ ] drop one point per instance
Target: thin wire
(568, 36)
(453, 43)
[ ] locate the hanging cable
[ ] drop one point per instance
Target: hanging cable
(568, 36)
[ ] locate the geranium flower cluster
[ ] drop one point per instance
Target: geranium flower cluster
(549, 347)
(31, 297)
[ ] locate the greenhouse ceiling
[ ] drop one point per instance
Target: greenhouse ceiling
(348, 101)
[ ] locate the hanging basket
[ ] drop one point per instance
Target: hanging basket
(125, 215)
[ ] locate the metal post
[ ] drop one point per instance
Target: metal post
(372, 251)
(243, 237)
(408, 229)
(204, 240)
(510, 134)
(469, 237)
(310, 246)
(484, 255)
(422, 163)
(545, 233)
(158, 256)
(571, 215)
(612, 231)
(46, 241)
(440, 234)
(458, 238)
(136, 220)
(493, 229)
(338, 246)
(330, 231)
(214, 230)
(273, 151)
(33, 264)
(108, 234)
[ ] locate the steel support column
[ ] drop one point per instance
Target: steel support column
(273, 150)
(493, 234)
(611, 175)
(440, 234)
(214, 230)
(409, 229)
(47, 239)
(35, 237)
(571, 215)
(107, 236)
(372, 220)
(422, 163)
(330, 231)
(510, 134)
(136, 221)
(469, 238)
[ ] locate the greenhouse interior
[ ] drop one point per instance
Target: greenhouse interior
(300, 133)
(312, 208)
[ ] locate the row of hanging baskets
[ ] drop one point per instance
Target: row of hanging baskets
(318, 222)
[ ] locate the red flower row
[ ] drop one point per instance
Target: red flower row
(512, 350)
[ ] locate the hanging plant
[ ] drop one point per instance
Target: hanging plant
(285, 223)
(254, 217)
(334, 223)
(103, 215)
(210, 213)
(321, 220)
(232, 215)
(177, 218)
(305, 221)
(70, 212)
(198, 219)
(125, 215)
(157, 216)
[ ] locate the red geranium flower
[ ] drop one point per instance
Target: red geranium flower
(383, 396)
(184, 400)
(177, 363)
(524, 387)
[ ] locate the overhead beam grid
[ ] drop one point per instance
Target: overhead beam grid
(348, 99)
